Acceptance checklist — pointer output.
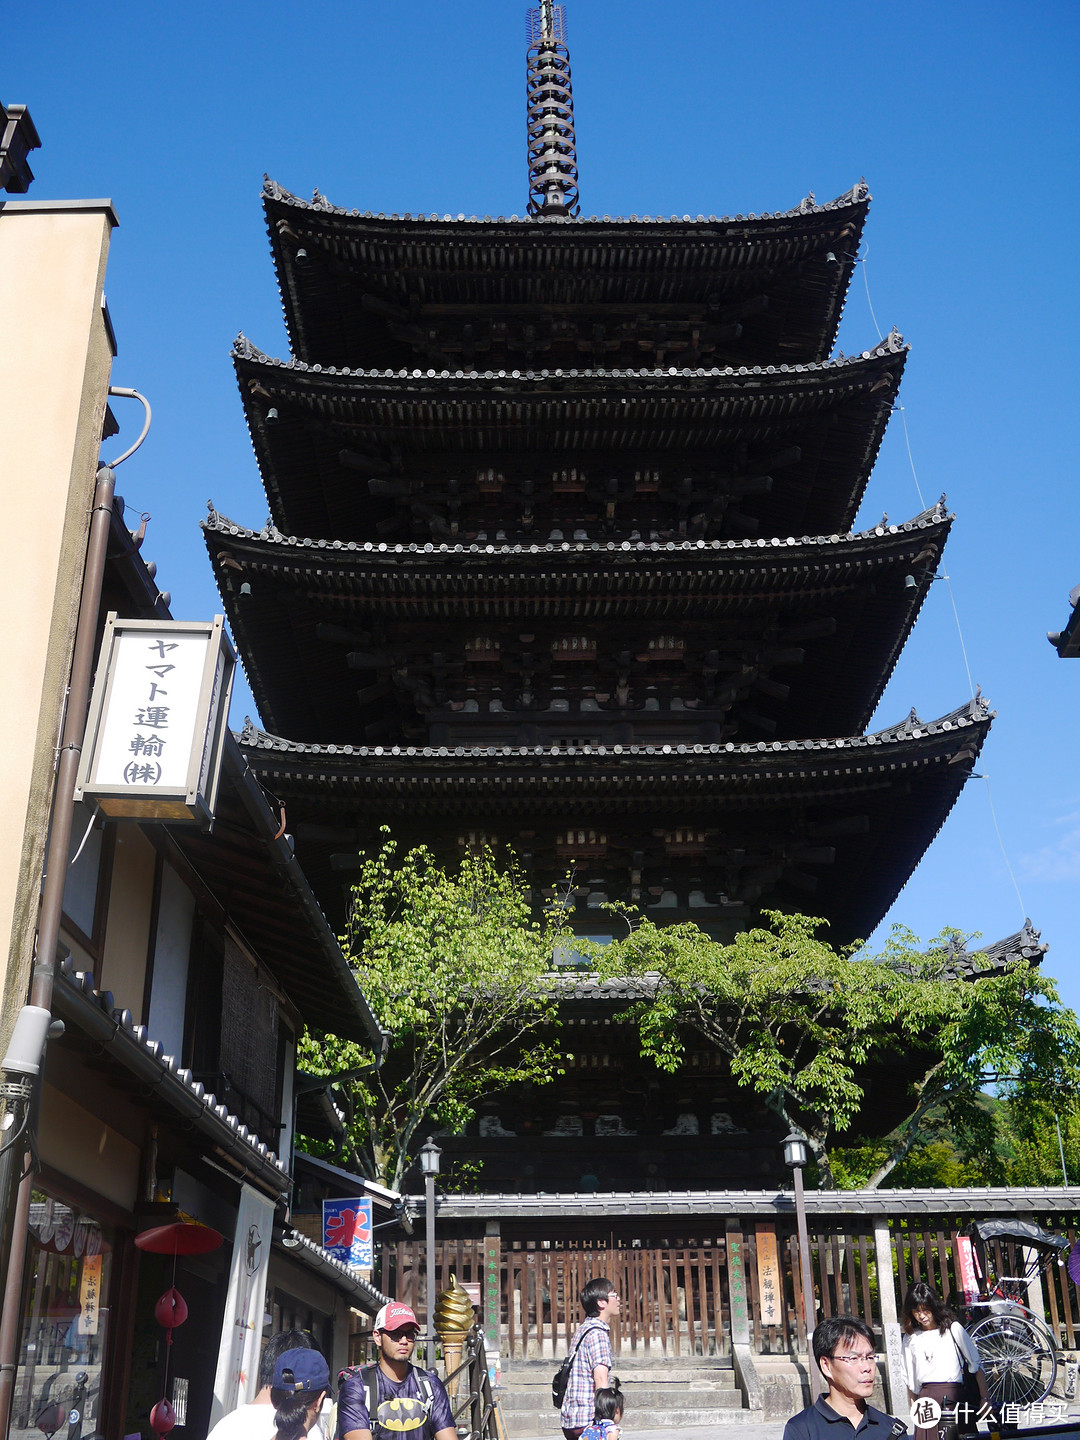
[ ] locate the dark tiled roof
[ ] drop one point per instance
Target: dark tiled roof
(836, 412)
(344, 274)
(1067, 642)
(132, 1047)
(882, 797)
(961, 1202)
(303, 685)
(858, 194)
(313, 1257)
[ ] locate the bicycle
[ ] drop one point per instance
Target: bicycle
(1020, 1355)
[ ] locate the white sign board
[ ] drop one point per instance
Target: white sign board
(157, 720)
(237, 1379)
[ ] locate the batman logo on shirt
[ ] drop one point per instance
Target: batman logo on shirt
(402, 1414)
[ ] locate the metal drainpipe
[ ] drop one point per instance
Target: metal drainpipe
(41, 989)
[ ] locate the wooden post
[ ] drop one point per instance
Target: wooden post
(898, 1396)
(492, 1293)
(805, 1269)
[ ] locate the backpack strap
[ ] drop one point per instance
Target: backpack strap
(369, 1377)
(423, 1379)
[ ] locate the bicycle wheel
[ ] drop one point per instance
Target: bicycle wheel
(1019, 1359)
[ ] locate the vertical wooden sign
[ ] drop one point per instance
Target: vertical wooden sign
(492, 1299)
(770, 1289)
(740, 1315)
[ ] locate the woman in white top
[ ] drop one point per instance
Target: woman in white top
(937, 1351)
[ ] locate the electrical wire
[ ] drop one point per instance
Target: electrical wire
(1001, 842)
(862, 260)
(18, 1130)
(74, 859)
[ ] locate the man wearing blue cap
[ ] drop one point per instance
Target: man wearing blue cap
(299, 1386)
(255, 1420)
(394, 1399)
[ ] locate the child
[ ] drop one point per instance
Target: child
(608, 1414)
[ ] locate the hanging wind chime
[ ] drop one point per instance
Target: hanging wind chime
(181, 1238)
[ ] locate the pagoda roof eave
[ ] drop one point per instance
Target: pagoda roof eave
(647, 377)
(918, 741)
(448, 257)
(859, 194)
(273, 547)
(427, 418)
(899, 783)
(864, 576)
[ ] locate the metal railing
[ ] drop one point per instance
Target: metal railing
(469, 1388)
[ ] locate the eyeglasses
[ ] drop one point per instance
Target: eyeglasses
(864, 1362)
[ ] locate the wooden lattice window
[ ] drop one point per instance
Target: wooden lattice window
(574, 647)
(580, 844)
(482, 650)
(568, 482)
(664, 647)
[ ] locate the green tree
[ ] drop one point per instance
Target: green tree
(457, 970)
(799, 1021)
(1028, 1140)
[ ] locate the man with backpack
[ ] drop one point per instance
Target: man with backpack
(393, 1399)
(590, 1357)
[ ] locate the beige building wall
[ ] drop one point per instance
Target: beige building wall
(127, 929)
(84, 1148)
(55, 364)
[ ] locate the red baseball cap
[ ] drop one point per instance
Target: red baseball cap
(394, 1316)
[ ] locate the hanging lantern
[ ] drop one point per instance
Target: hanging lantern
(162, 1417)
(180, 1238)
(170, 1311)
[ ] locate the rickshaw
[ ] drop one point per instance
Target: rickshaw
(1020, 1356)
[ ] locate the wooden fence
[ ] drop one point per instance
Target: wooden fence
(676, 1292)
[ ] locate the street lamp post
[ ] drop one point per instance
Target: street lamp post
(430, 1155)
(795, 1156)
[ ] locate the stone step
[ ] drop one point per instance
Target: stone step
(644, 1397)
(524, 1424)
(692, 1379)
(630, 1360)
(655, 1372)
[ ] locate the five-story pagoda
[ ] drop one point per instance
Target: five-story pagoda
(560, 558)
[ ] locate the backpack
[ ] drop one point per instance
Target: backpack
(561, 1379)
(369, 1378)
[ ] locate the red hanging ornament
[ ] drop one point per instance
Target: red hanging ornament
(162, 1418)
(171, 1310)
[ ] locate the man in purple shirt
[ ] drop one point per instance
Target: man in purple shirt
(590, 1347)
(408, 1403)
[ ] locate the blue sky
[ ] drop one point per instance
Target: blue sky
(963, 119)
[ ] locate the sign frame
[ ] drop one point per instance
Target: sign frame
(359, 1254)
(194, 800)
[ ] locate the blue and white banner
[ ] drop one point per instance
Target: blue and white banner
(347, 1232)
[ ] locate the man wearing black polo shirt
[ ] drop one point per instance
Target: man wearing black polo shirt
(845, 1355)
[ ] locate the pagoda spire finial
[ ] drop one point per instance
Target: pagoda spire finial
(553, 173)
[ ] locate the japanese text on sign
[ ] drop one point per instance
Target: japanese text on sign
(768, 1275)
(347, 1232)
(152, 710)
(89, 1294)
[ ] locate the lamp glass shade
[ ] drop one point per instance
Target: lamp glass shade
(795, 1151)
(430, 1155)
